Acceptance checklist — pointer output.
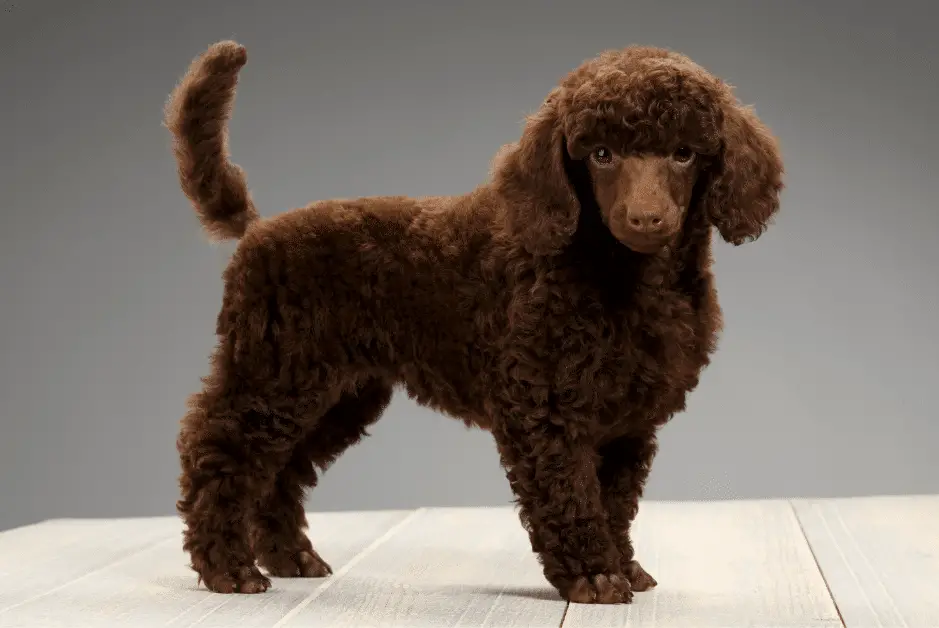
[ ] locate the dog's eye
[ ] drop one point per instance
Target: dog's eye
(602, 155)
(683, 155)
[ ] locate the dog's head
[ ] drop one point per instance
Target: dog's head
(658, 137)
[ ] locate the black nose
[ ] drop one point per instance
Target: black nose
(645, 221)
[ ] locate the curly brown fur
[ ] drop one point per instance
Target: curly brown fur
(197, 116)
(566, 305)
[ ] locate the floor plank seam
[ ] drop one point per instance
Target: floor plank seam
(188, 609)
(567, 607)
(870, 568)
(204, 615)
(347, 567)
(808, 543)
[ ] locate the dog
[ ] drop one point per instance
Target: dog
(566, 305)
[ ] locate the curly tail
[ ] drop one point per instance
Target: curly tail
(197, 114)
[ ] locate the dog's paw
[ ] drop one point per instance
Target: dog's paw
(300, 564)
(639, 578)
(238, 580)
(599, 589)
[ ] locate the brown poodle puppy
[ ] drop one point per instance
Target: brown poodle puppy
(567, 306)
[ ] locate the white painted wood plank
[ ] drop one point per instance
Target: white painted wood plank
(720, 565)
(154, 586)
(338, 537)
(445, 567)
(40, 559)
(880, 557)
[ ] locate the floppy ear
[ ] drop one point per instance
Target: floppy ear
(541, 205)
(743, 193)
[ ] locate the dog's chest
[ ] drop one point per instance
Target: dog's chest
(636, 363)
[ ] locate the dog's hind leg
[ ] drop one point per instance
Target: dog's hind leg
(229, 453)
(278, 529)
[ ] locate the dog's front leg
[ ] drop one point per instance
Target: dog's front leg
(554, 478)
(624, 467)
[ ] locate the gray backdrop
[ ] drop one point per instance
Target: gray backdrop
(824, 380)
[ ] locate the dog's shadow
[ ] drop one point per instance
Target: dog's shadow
(189, 585)
(532, 593)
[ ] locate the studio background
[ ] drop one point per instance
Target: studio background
(824, 381)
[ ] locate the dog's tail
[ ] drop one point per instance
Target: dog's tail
(197, 114)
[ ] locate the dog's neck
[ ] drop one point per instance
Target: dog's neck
(616, 272)
(600, 258)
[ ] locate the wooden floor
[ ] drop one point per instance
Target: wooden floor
(861, 563)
